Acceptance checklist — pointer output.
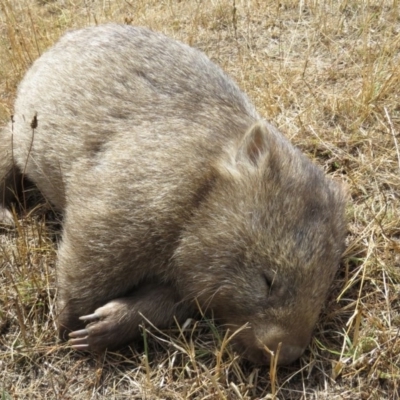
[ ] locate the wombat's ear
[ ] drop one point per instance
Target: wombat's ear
(249, 153)
(254, 146)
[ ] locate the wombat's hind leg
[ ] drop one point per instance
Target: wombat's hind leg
(117, 323)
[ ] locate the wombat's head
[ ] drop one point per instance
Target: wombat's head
(264, 246)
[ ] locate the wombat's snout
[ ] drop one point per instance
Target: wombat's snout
(287, 352)
(287, 348)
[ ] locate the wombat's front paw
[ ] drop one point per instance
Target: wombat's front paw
(117, 323)
(110, 326)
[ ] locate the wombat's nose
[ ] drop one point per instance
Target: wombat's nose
(286, 348)
(289, 353)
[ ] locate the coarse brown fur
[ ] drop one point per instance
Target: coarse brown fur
(174, 192)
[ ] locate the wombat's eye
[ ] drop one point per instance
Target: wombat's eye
(269, 280)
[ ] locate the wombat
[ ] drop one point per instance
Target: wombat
(175, 194)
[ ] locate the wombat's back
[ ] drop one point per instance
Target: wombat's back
(128, 88)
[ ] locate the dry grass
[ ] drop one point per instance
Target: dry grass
(327, 72)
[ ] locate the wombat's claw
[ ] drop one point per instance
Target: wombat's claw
(80, 346)
(90, 317)
(80, 342)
